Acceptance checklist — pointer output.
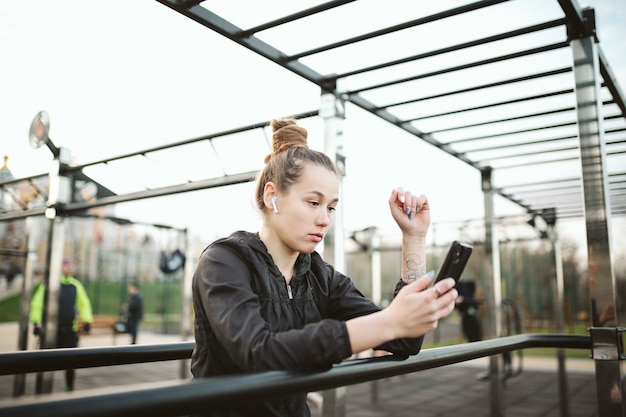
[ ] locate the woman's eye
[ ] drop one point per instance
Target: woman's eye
(332, 208)
(314, 203)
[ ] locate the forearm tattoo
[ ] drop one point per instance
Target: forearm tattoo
(414, 267)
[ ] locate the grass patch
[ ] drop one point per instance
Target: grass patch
(10, 309)
(540, 352)
(162, 305)
(160, 300)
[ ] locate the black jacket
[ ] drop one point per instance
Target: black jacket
(248, 320)
(135, 308)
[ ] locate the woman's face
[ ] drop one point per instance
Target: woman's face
(306, 212)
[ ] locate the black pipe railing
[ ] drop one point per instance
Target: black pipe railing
(176, 398)
(23, 362)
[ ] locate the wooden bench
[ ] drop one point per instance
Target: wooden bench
(102, 324)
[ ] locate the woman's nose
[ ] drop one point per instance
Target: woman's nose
(324, 219)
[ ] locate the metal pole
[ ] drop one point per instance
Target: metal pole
(493, 295)
(376, 267)
(59, 193)
(559, 319)
(607, 304)
(52, 282)
(19, 381)
(185, 322)
(332, 111)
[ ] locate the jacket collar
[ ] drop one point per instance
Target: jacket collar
(252, 240)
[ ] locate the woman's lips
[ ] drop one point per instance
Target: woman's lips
(317, 237)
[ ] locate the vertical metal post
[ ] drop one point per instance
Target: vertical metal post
(185, 322)
(19, 381)
(376, 291)
(333, 112)
(559, 318)
(376, 267)
(59, 194)
(52, 282)
(607, 304)
(165, 300)
(94, 250)
(493, 294)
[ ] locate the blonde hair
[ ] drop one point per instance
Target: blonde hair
(290, 153)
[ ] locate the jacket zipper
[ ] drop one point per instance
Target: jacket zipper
(289, 292)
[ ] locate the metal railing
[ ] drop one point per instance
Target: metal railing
(23, 362)
(176, 398)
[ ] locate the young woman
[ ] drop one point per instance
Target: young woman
(267, 301)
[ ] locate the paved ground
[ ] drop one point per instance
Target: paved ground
(441, 392)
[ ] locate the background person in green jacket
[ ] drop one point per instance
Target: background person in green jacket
(73, 301)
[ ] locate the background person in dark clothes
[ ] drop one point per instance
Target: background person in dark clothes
(134, 312)
(467, 305)
(73, 299)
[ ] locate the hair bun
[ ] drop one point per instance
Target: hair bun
(287, 134)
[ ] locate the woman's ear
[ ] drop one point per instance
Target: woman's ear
(269, 197)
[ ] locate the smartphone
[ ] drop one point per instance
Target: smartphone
(455, 261)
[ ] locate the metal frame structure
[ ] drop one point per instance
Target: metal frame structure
(523, 93)
(541, 103)
(175, 398)
(541, 142)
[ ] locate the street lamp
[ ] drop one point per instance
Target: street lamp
(82, 190)
(59, 192)
(39, 133)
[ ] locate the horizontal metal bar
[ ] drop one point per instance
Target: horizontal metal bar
(209, 137)
(517, 155)
(452, 48)
(516, 80)
(176, 398)
(399, 27)
(542, 162)
(10, 181)
(493, 60)
(548, 191)
(23, 362)
(503, 120)
(492, 105)
(295, 16)
(569, 180)
(535, 128)
(71, 208)
(539, 141)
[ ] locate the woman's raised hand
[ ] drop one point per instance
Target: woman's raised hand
(410, 211)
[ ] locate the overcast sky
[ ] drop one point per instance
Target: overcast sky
(119, 76)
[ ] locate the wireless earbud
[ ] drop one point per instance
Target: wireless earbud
(274, 205)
